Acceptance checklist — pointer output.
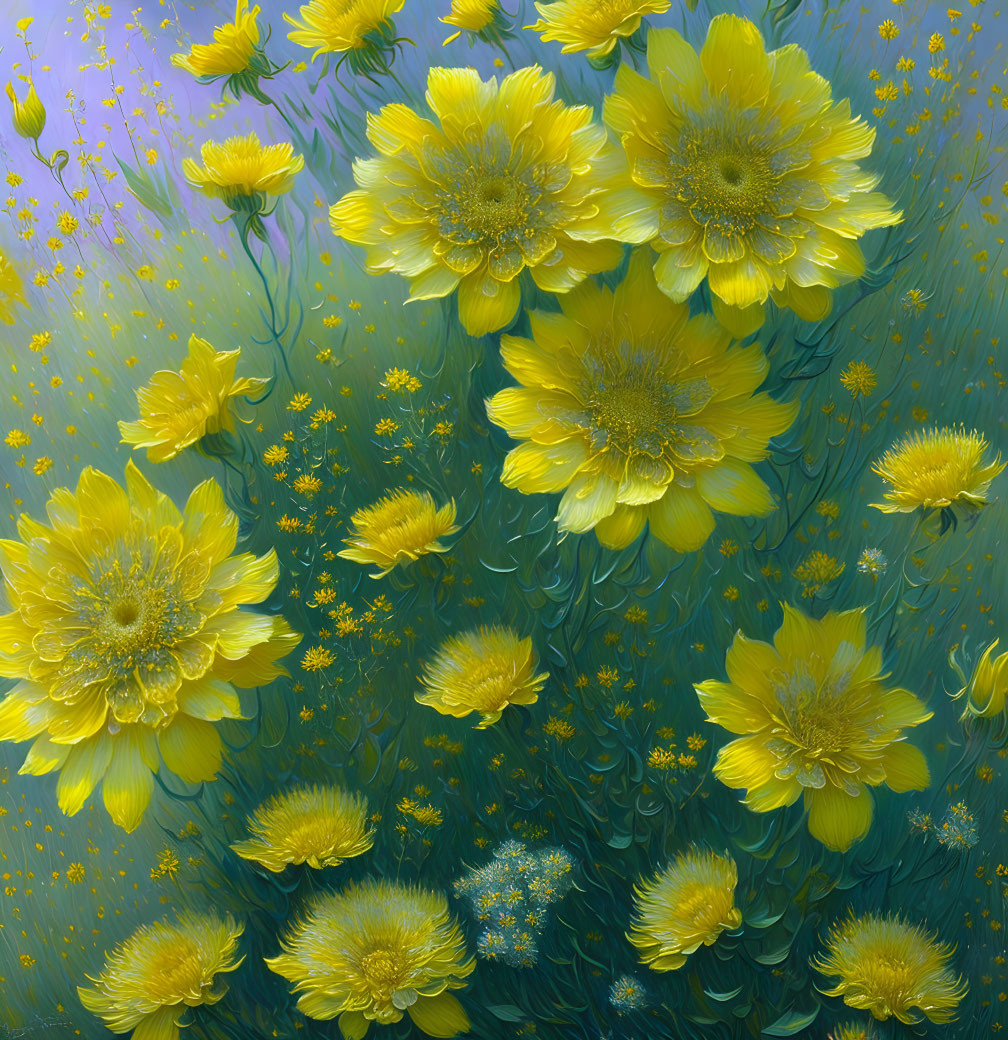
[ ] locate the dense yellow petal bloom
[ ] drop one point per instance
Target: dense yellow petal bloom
(987, 687)
(403, 526)
(337, 26)
(743, 171)
(937, 469)
(817, 722)
(471, 16)
(595, 26)
(852, 1031)
(178, 408)
(374, 951)
(10, 289)
(484, 670)
(890, 967)
(243, 172)
(128, 639)
(637, 412)
(689, 903)
(507, 178)
(320, 826)
(232, 50)
(162, 969)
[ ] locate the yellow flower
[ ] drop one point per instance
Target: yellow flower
(507, 179)
(937, 469)
(374, 950)
(128, 639)
(178, 408)
(640, 412)
(470, 15)
(743, 170)
(987, 687)
(162, 969)
(817, 722)
(320, 826)
(29, 115)
(890, 967)
(588, 25)
(859, 379)
(10, 289)
(852, 1031)
(232, 51)
(403, 526)
(483, 670)
(243, 172)
(338, 26)
(689, 903)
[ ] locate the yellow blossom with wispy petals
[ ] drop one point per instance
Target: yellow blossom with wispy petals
(337, 26)
(470, 16)
(637, 412)
(243, 172)
(374, 952)
(744, 172)
(163, 969)
(401, 527)
(591, 25)
(232, 51)
(937, 469)
(891, 968)
(816, 722)
(483, 670)
(128, 638)
(507, 179)
(11, 289)
(317, 825)
(686, 905)
(179, 408)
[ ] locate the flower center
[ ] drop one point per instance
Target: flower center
(383, 969)
(176, 974)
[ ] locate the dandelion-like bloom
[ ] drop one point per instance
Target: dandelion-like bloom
(852, 1031)
(640, 412)
(507, 179)
(474, 16)
(232, 51)
(373, 951)
(689, 903)
(178, 408)
(987, 687)
(340, 26)
(890, 967)
(11, 289)
(593, 26)
(937, 469)
(744, 172)
(320, 826)
(403, 526)
(244, 173)
(162, 969)
(817, 722)
(128, 639)
(484, 670)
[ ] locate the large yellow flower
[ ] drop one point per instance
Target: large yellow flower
(640, 412)
(373, 951)
(11, 289)
(484, 670)
(338, 26)
(232, 51)
(128, 639)
(178, 408)
(937, 469)
(507, 179)
(161, 970)
(244, 173)
(320, 826)
(890, 967)
(595, 26)
(401, 527)
(686, 905)
(817, 722)
(744, 171)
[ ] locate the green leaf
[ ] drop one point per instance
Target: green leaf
(790, 1023)
(506, 1012)
(723, 996)
(149, 194)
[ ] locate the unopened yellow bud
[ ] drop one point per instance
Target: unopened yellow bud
(29, 116)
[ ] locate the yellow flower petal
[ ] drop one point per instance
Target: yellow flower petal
(191, 748)
(836, 818)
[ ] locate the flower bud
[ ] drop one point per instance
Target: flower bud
(29, 116)
(985, 692)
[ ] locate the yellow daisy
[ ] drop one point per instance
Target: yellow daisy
(150, 980)
(637, 412)
(473, 16)
(484, 670)
(320, 826)
(403, 526)
(743, 171)
(128, 638)
(937, 469)
(178, 408)
(506, 179)
(11, 289)
(596, 26)
(686, 905)
(817, 722)
(891, 968)
(345, 26)
(374, 951)
(232, 51)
